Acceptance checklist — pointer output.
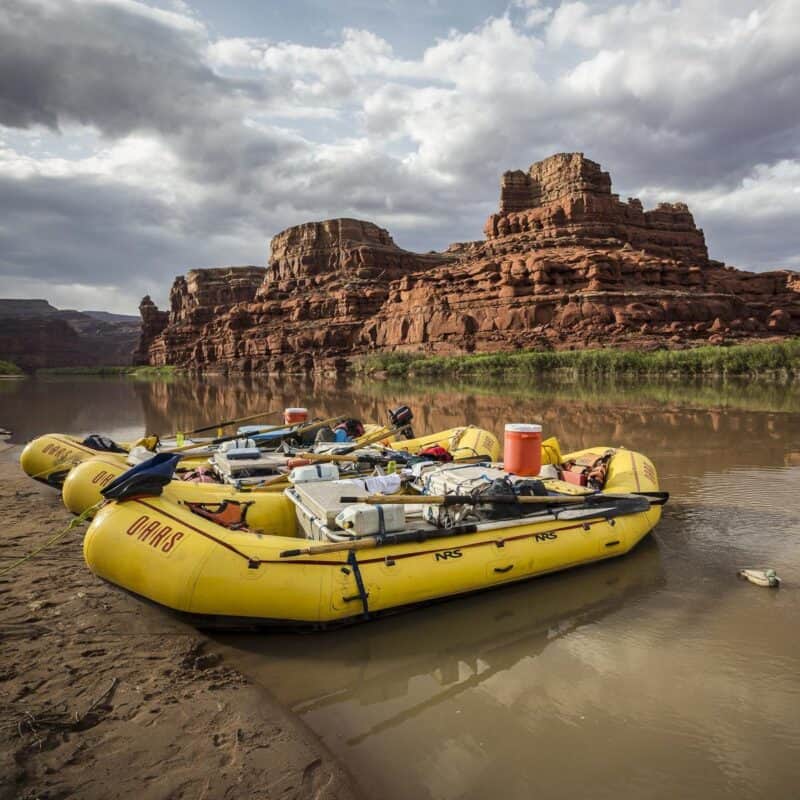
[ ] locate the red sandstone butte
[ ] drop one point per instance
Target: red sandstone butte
(565, 264)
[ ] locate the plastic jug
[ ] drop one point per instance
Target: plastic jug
(523, 449)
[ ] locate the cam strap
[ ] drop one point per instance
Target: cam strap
(363, 594)
(230, 514)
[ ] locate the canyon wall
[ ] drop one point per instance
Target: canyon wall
(34, 334)
(565, 264)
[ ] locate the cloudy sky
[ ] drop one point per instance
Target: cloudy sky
(139, 140)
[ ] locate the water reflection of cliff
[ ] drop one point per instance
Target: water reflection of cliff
(401, 684)
(460, 642)
(676, 421)
(35, 406)
(686, 428)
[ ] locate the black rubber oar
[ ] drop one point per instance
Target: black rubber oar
(291, 430)
(625, 505)
(654, 498)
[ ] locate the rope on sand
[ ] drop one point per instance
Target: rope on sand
(79, 520)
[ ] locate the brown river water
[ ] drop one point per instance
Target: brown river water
(656, 675)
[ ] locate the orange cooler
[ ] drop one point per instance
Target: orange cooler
(523, 449)
(291, 416)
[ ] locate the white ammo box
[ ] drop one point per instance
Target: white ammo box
(322, 499)
(313, 473)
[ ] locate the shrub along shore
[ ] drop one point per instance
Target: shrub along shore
(775, 360)
(768, 360)
(136, 372)
(8, 368)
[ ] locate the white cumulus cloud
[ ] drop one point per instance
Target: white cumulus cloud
(136, 143)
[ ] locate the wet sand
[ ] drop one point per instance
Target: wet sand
(104, 696)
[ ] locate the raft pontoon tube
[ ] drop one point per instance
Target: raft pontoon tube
(50, 458)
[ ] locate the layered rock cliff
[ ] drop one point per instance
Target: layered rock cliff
(566, 199)
(565, 264)
(34, 334)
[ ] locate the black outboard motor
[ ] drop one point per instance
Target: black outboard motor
(401, 417)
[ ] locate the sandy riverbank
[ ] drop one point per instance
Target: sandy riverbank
(103, 696)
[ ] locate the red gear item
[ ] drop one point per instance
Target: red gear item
(437, 453)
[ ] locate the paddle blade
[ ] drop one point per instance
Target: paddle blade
(148, 478)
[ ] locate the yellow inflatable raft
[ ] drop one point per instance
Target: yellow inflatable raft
(83, 485)
(264, 512)
(157, 547)
(49, 458)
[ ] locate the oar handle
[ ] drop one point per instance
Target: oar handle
(186, 447)
(222, 424)
(323, 457)
(271, 482)
(225, 423)
(333, 547)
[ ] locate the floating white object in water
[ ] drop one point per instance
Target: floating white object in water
(761, 577)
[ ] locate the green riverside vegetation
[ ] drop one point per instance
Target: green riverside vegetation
(772, 359)
(735, 392)
(8, 368)
(134, 372)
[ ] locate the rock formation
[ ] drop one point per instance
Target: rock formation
(201, 300)
(566, 199)
(153, 323)
(34, 334)
(565, 264)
